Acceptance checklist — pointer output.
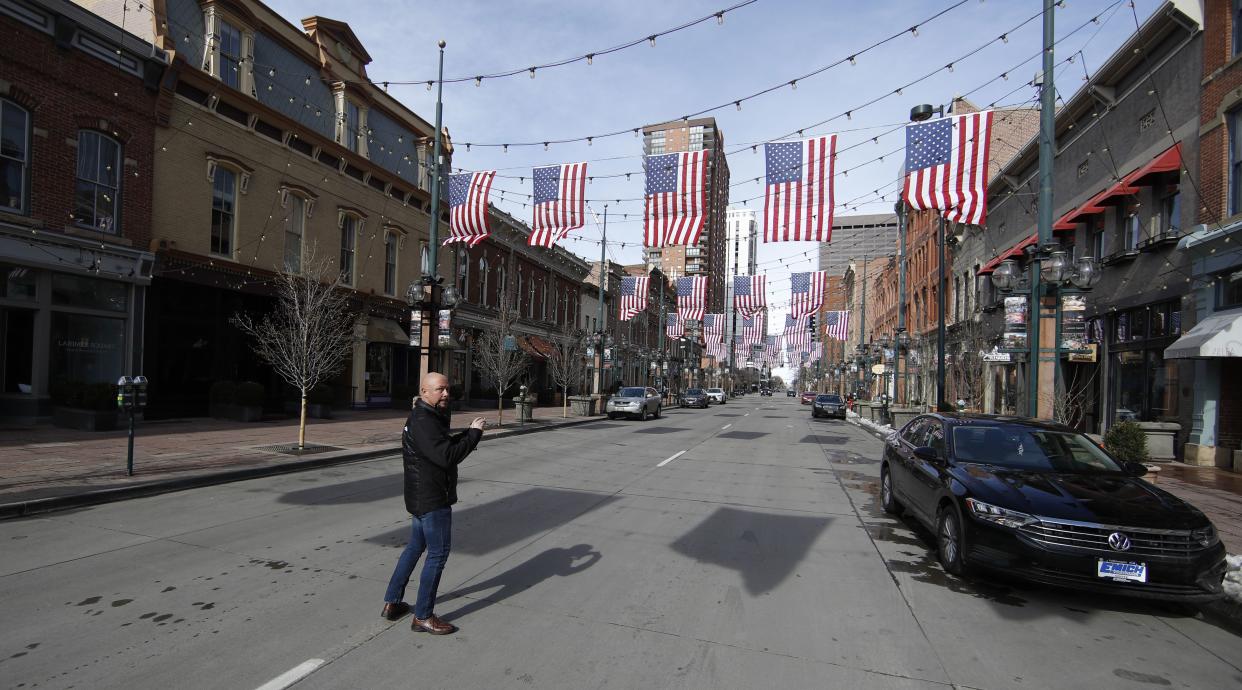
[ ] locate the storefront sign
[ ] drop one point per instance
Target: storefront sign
(510, 344)
(416, 328)
(1073, 322)
(1015, 322)
(997, 357)
(444, 326)
(1087, 355)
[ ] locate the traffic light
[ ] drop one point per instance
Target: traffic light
(810, 323)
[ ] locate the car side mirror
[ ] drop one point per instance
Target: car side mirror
(927, 453)
(1135, 469)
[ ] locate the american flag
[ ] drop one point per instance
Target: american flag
(468, 206)
(753, 329)
(797, 203)
(559, 202)
(691, 297)
(772, 348)
(713, 328)
(837, 324)
(797, 330)
(749, 294)
(675, 198)
(673, 325)
(808, 292)
(633, 296)
(720, 351)
(947, 166)
(817, 351)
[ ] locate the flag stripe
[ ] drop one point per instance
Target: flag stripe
(798, 196)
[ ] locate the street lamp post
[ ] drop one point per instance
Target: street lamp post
(920, 113)
(901, 303)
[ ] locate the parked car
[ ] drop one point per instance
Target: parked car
(808, 397)
(828, 405)
(643, 403)
(766, 391)
(790, 393)
(717, 395)
(694, 397)
(1041, 501)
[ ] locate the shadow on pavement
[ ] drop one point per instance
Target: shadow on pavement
(552, 563)
(487, 527)
(744, 435)
(357, 491)
(829, 439)
(764, 547)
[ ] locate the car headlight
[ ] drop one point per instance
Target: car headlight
(1206, 536)
(999, 516)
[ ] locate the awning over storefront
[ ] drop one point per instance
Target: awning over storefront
(1219, 335)
(1011, 253)
(543, 346)
(380, 330)
(1170, 159)
(524, 342)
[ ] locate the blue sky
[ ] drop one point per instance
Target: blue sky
(763, 44)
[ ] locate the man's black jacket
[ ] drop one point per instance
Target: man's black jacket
(431, 456)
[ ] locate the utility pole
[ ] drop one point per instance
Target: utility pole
(898, 382)
(862, 329)
(430, 278)
(940, 306)
(601, 316)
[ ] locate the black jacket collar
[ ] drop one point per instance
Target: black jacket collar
(428, 409)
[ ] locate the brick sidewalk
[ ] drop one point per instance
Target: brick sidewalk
(1218, 493)
(48, 462)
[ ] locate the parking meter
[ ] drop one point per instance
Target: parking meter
(124, 392)
(140, 392)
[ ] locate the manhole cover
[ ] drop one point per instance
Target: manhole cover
(292, 449)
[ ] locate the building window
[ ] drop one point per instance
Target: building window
(350, 134)
(1237, 26)
(1229, 290)
(390, 264)
(14, 155)
(520, 284)
(463, 272)
(1131, 231)
(230, 47)
(223, 211)
(1171, 212)
(530, 299)
(657, 143)
(295, 230)
(696, 138)
(349, 242)
(1235, 161)
(483, 297)
(98, 178)
(1097, 235)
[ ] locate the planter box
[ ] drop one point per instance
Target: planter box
(582, 405)
(237, 413)
(318, 411)
(1161, 439)
(902, 415)
(85, 420)
(1237, 461)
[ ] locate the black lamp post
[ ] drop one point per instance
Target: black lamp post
(919, 113)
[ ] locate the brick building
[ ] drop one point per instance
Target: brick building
(77, 99)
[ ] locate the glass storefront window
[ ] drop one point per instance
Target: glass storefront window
(19, 283)
(87, 349)
(1159, 321)
(89, 293)
(1129, 382)
(379, 370)
(1138, 324)
(1162, 382)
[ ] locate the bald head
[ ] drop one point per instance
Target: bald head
(434, 389)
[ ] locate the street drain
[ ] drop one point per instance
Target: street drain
(292, 449)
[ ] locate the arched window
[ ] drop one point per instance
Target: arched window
(463, 271)
(484, 298)
(223, 212)
(350, 226)
(14, 156)
(97, 189)
(391, 239)
(299, 205)
(517, 294)
(530, 299)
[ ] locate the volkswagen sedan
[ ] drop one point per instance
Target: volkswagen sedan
(1043, 502)
(828, 405)
(643, 403)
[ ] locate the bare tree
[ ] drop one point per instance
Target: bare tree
(967, 371)
(309, 334)
(500, 364)
(1069, 405)
(566, 364)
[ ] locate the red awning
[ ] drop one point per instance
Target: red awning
(1170, 159)
(1013, 252)
(529, 348)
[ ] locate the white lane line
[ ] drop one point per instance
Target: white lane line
(746, 415)
(671, 458)
(725, 427)
(293, 675)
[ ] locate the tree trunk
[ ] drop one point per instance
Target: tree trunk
(302, 425)
(500, 409)
(565, 401)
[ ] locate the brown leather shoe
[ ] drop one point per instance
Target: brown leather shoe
(433, 625)
(395, 610)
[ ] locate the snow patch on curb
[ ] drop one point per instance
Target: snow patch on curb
(1233, 578)
(883, 430)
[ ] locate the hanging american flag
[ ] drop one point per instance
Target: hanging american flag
(633, 296)
(468, 206)
(817, 351)
(559, 202)
(753, 329)
(837, 324)
(691, 297)
(947, 166)
(808, 292)
(673, 325)
(675, 198)
(797, 202)
(720, 351)
(797, 330)
(772, 347)
(749, 294)
(713, 328)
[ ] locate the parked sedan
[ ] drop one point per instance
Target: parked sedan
(717, 395)
(828, 405)
(808, 397)
(643, 403)
(694, 397)
(790, 393)
(1041, 501)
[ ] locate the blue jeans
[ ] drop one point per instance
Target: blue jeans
(432, 532)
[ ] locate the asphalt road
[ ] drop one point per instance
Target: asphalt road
(740, 546)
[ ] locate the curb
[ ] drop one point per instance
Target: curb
(110, 495)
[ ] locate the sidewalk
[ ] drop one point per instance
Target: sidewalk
(48, 468)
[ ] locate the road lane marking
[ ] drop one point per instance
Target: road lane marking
(671, 458)
(746, 415)
(293, 675)
(725, 427)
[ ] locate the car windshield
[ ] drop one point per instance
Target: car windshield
(715, 390)
(828, 398)
(695, 391)
(632, 393)
(1019, 447)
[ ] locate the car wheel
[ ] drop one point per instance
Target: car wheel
(887, 500)
(642, 416)
(949, 542)
(657, 412)
(612, 416)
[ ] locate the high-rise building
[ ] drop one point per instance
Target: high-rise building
(854, 237)
(741, 244)
(707, 256)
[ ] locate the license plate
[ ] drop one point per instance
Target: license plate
(1121, 572)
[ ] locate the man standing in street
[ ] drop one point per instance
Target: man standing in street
(430, 458)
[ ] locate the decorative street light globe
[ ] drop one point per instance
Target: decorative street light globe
(1006, 275)
(1086, 272)
(1055, 268)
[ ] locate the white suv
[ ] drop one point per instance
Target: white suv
(717, 395)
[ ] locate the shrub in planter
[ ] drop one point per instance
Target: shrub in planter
(1127, 442)
(221, 393)
(85, 406)
(249, 394)
(322, 394)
